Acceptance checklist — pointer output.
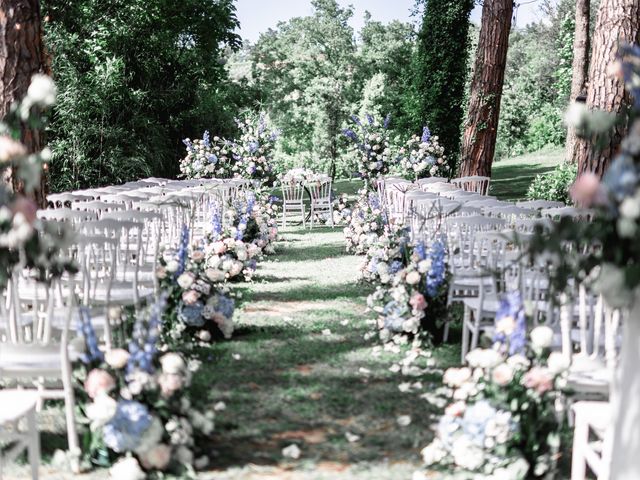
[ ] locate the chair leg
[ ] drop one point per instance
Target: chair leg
(304, 224)
(466, 318)
(284, 217)
(313, 214)
(580, 440)
(33, 448)
(69, 409)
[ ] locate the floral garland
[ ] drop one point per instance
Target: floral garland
(207, 158)
(413, 285)
(371, 143)
(365, 223)
(138, 403)
(501, 421)
(422, 157)
(199, 307)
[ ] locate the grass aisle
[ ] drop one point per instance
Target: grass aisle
(300, 371)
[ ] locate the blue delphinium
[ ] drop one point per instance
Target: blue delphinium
(420, 250)
(89, 334)
(426, 135)
(253, 146)
(144, 342)
(370, 119)
(125, 430)
(189, 145)
(437, 272)
(356, 120)
(350, 134)
(395, 267)
(216, 224)
(387, 121)
(511, 306)
(183, 251)
(206, 140)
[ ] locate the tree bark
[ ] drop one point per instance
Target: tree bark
(21, 56)
(617, 23)
(481, 129)
(580, 67)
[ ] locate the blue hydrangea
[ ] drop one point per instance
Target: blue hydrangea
(213, 158)
(395, 267)
(475, 419)
(128, 425)
(225, 306)
(394, 316)
(511, 306)
(253, 146)
(191, 315)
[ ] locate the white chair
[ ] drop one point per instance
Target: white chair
(474, 183)
(73, 217)
(438, 187)
(426, 181)
(539, 204)
(489, 202)
(16, 405)
(28, 350)
(321, 199)
(292, 201)
(66, 198)
(592, 419)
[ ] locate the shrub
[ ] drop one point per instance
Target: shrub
(555, 185)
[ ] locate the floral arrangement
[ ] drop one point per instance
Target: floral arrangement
(341, 209)
(412, 284)
(301, 176)
(386, 256)
(199, 307)
(365, 224)
(422, 156)
(138, 403)
(501, 421)
(26, 240)
(253, 151)
(207, 158)
(371, 143)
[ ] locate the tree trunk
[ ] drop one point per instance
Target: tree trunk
(580, 67)
(479, 141)
(617, 23)
(21, 56)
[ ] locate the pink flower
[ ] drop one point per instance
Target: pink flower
(169, 384)
(539, 379)
(190, 297)
(10, 149)
(98, 381)
(157, 458)
(161, 273)
(26, 207)
(586, 190)
(418, 301)
(455, 409)
(197, 256)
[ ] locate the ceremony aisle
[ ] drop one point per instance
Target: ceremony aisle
(302, 370)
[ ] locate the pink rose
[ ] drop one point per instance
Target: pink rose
(98, 381)
(418, 301)
(197, 256)
(157, 458)
(539, 379)
(586, 190)
(169, 384)
(190, 297)
(161, 273)
(455, 409)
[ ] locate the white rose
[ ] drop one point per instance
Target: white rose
(557, 363)
(172, 363)
(172, 266)
(433, 453)
(630, 207)
(483, 358)
(127, 468)
(101, 410)
(116, 358)
(424, 266)
(214, 275)
(502, 374)
(186, 280)
(413, 278)
(541, 337)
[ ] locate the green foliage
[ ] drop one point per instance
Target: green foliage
(554, 186)
(134, 78)
(439, 68)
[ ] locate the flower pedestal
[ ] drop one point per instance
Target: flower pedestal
(625, 402)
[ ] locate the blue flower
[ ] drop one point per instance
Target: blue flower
(191, 315)
(621, 178)
(206, 139)
(370, 119)
(387, 120)
(253, 146)
(85, 326)
(511, 306)
(395, 267)
(356, 120)
(475, 419)
(426, 134)
(350, 134)
(438, 271)
(212, 159)
(189, 145)
(183, 251)
(216, 225)
(128, 425)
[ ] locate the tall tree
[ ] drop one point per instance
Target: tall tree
(580, 67)
(618, 22)
(439, 71)
(21, 56)
(479, 141)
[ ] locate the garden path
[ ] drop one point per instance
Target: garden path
(302, 369)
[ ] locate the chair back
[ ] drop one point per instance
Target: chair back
(474, 183)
